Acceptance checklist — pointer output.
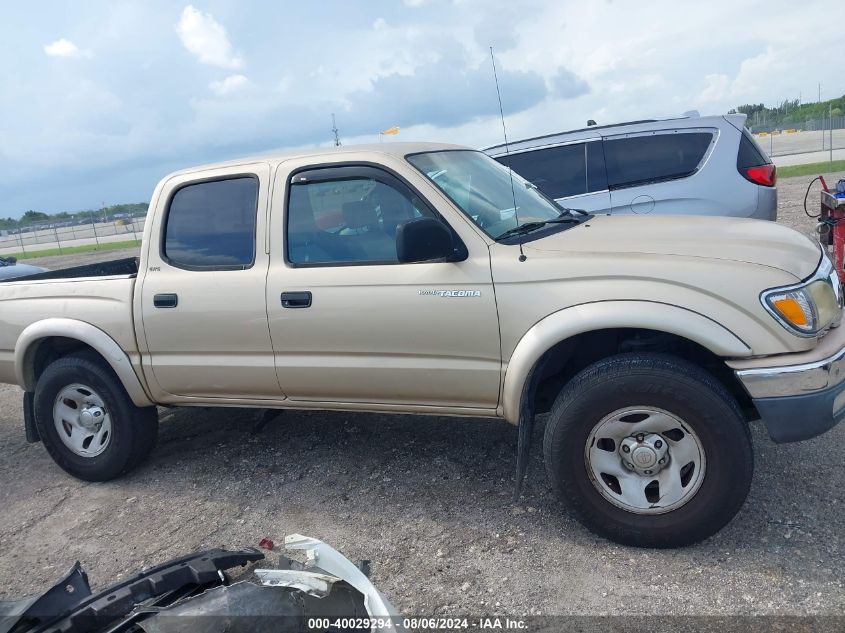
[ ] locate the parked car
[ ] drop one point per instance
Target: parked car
(10, 268)
(427, 278)
(687, 166)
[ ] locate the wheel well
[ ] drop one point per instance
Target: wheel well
(48, 350)
(563, 361)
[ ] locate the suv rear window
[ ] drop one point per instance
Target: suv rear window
(750, 154)
(641, 159)
(211, 224)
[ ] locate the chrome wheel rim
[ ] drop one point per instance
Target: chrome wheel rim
(645, 460)
(82, 421)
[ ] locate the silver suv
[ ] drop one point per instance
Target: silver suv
(691, 166)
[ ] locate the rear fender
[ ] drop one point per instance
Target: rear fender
(33, 336)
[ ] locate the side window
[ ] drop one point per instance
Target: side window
(750, 154)
(558, 172)
(212, 224)
(350, 219)
(662, 156)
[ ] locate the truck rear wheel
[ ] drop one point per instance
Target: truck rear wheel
(649, 450)
(87, 422)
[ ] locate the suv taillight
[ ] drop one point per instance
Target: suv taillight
(766, 175)
(752, 162)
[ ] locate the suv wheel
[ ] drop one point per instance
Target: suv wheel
(649, 450)
(87, 421)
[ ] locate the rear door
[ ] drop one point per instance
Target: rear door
(203, 295)
(572, 174)
(654, 172)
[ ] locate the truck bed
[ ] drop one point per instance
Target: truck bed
(126, 266)
(99, 294)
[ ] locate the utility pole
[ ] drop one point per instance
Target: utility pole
(334, 130)
(820, 92)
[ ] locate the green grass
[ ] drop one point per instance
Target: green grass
(70, 250)
(811, 169)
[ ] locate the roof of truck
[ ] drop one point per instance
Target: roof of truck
(391, 149)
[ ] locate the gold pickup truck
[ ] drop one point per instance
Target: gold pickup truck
(429, 279)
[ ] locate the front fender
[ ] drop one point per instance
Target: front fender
(603, 315)
(30, 338)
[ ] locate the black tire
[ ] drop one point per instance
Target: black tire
(134, 429)
(673, 385)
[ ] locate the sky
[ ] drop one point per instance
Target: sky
(101, 99)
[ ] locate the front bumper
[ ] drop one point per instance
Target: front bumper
(801, 400)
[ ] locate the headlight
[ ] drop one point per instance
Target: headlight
(811, 307)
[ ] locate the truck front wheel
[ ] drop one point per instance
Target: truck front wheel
(649, 450)
(87, 422)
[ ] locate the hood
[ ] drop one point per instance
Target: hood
(741, 240)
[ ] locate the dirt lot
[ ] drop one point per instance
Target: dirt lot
(427, 499)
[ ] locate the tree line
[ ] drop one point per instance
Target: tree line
(790, 112)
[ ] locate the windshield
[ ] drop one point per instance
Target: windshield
(481, 187)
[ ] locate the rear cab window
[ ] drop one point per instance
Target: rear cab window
(641, 159)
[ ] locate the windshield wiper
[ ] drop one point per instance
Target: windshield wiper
(570, 211)
(528, 227)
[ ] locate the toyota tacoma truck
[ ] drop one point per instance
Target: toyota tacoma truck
(429, 279)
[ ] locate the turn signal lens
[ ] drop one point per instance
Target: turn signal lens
(809, 308)
(791, 310)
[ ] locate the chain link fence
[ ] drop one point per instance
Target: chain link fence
(30, 237)
(798, 137)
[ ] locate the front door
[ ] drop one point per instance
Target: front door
(349, 323)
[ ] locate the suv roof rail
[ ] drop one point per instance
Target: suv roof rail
(583, 129)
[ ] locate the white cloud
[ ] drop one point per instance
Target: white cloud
(206, 39)
(717, 88)
(64, 48)
(232, 83)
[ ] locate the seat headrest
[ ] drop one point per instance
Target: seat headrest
(394, 206)
(359, 214)
(301, 212)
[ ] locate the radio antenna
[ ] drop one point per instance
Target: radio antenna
(522, 257)
(334, 130)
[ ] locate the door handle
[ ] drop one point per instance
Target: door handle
(296, 299)
(166, 300)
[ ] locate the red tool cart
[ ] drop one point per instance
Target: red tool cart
(832, 223)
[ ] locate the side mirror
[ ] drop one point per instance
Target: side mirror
(423, 240)
(11, 260)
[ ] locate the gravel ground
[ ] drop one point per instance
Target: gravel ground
(427, 499)
(791, 201)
